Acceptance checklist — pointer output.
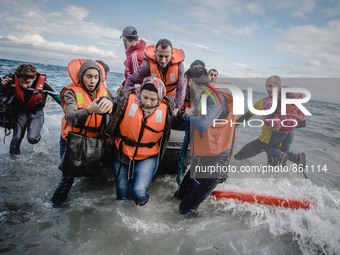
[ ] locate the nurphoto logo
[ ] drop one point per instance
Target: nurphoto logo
(238, 105)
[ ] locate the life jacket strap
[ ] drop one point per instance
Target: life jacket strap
(130, 142)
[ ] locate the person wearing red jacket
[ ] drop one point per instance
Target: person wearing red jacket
(134, 50)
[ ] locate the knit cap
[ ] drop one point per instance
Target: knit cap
(88, 64)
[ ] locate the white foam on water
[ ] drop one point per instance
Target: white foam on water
(316, 230)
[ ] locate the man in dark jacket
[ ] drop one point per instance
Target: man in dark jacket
(30, 89)
(210, 146)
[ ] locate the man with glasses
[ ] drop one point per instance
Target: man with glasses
(213, 74)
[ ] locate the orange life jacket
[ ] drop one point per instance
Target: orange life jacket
(73, 69)
(36, 97)
(139, 137)
(216, 139)
(171, 77)
(93, 122)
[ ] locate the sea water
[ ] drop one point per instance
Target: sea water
(92, 221)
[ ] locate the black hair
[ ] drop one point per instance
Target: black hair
(150, 87)
(132, 38)
(214, 70)
(197, 63)
(198, 74)
(163, 43)
(104, 65)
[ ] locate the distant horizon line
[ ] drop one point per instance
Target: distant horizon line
(221, 79)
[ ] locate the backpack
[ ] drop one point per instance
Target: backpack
(8, 110)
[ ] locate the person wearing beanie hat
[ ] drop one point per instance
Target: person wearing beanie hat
(209, 146)
(86, 103)
(93, 71)
(143, 122)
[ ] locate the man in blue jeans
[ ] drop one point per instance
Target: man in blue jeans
(209, 145)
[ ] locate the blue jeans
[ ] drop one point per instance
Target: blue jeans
(285, 140)
(135, 188)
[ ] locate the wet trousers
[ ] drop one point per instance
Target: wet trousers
(33, 122)
(194, 191)
(66, 182)
(135, 187)
(252, 149)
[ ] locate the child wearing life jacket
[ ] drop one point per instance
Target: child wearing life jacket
(283, 135)
(260, 144)
(139, 130)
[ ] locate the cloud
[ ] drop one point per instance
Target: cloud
(319, 46)
(196, 46)
(38, 42)
(333, 10)
(219, 32)
(246, 31)
(71, 21)
(75, 12)
(68, 32)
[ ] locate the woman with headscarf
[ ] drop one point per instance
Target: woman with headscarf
(139, 131)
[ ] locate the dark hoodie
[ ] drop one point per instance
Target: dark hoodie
(89, 64)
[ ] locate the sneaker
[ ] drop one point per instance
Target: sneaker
(281, 160)
(284, 159)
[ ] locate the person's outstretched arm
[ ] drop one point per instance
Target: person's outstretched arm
(52, 92)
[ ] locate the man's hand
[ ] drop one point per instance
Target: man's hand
(104, 106)
(187, 111)
(6, 81)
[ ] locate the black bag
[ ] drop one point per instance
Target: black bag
(8, 111)
(83, 155)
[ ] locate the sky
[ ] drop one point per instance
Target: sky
(242, 39)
